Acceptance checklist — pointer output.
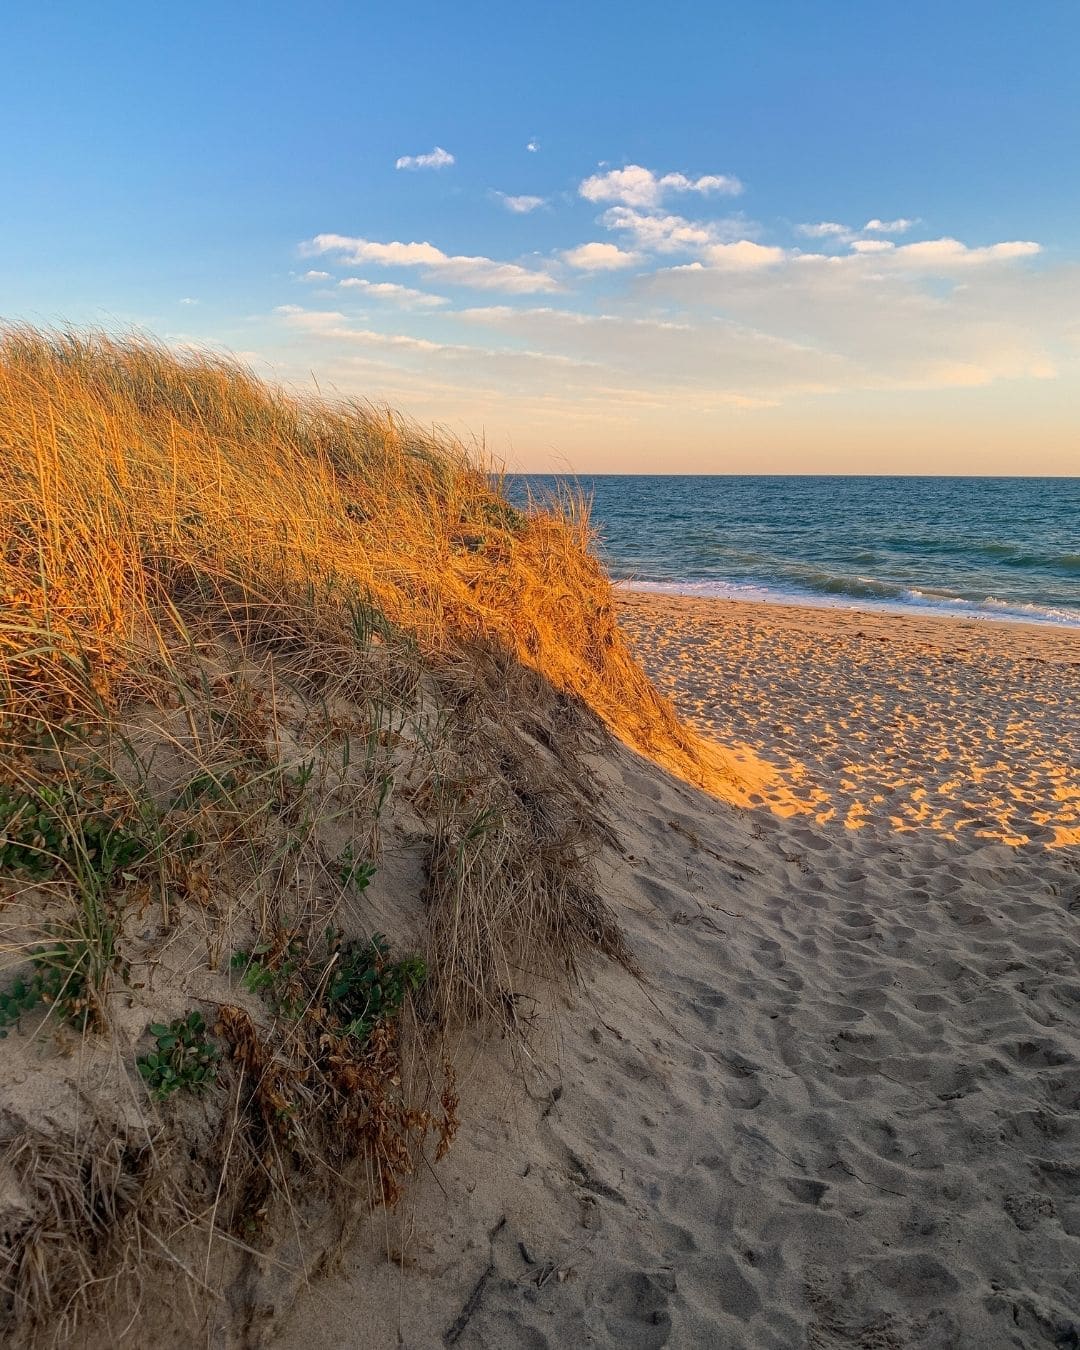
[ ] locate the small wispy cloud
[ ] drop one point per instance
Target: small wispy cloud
(824, 229)
(315, 276)
(480, 273)
(599, 257)
(844, 234)
(522, 205)
(900, 226)
(334, 324)
(660, 233)
(638, 186)
(434, 159)
(533, 146)
(405, 296)
(187, 300)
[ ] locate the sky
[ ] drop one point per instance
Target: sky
(591, 237)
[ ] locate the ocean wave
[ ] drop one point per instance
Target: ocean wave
(1003, 554)
(866, 593)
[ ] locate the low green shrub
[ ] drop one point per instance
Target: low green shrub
(355, 984)
(61, 980)
(185, 1057)
(48, 827)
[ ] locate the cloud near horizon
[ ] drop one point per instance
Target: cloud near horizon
(700, 319)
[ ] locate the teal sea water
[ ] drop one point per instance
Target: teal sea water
(996, 548)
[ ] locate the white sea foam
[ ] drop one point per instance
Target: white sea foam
(990, 608)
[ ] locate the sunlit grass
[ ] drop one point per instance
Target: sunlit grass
(135, 479)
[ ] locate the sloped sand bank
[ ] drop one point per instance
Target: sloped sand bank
(841, 1109)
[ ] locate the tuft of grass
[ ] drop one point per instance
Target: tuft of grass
(357, 874)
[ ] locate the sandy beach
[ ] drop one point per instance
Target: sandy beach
(969, 728)
(840, 1109)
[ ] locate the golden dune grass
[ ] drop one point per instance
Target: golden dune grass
(131, 472)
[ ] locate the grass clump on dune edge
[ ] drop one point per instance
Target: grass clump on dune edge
(245, 639)
(133, 476)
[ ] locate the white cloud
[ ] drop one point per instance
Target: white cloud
(434, 159)
(390, 290)
(941, 256)
(187, 300)
(393, 254)
(670, 234)
(599, 257)
(824, 229)
(521, 206)
(743, 256)
(331, 325)
(315, 276)
(900, 226)
(477, 272)
(637, 186)
(871, 245)
(533, 146)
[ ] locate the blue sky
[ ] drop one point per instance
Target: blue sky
(779, 237)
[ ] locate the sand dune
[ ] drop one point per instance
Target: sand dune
(841, 1110)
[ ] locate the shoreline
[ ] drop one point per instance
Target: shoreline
(762, 595)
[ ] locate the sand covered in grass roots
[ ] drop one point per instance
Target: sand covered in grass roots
(841, 1108)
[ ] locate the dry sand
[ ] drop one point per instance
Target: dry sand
(966, 727)
(842, 1109)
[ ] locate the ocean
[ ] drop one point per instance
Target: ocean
(994, 548)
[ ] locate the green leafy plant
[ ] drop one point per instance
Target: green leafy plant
(501, 513)
(274, 969)
(355, 984)
(47, 827)
(185, 1057)
(32, 835)
(365, 986)
(62, 979)
(356, 874)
